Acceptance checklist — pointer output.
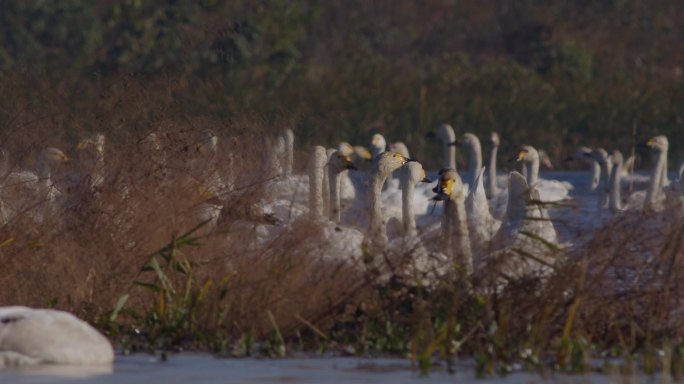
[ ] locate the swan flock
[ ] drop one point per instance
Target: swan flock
(375, 201)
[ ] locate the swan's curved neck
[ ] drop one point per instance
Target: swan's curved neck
(595, 175)
(376, 229)
(615, 176)
(533, 172)
(407, 193)
(492, 186)
(455, 232)
(655, 182)
(449, 151)
(474, 161)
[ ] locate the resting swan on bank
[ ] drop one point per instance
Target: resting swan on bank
(47, 336)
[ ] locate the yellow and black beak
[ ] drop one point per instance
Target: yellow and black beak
(348, 163)
(456, 143)
(443, 189)
(403, 158)
(519, 157)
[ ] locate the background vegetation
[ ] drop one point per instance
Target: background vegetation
(549, 73)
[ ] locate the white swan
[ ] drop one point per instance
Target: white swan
(47, 336)
(600, 156)
(526, 237)
(383, 166)
(35, 195)
(584, 155)
(454, 223)
(482, 225)
(549, 190)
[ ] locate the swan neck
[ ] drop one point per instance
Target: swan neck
(316, 177)
(492, 187)
(376, 224)
(615, 177)
(407, 193)
(474, 162)
(457, 235)
(533, 172)
(449, 155)
(595, 175)
(655, 182)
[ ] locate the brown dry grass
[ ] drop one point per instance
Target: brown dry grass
(623, 290)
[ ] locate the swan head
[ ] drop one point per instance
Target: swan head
(658, 143)
(378, 143)
(469, 140)
(494, 139)
(415, 172)
(617, 158)
(362, 153)
(527, 153)
(388, 162)
(339, 162)
(53, 156)
(449, 186)
(581, 154)
(345, 148)
(445, 132)
(92, 148)
(600, 155)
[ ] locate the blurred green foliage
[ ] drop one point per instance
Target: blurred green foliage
(550, 73)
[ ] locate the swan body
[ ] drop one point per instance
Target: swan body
(482, 226)
(525, 230)
(47, 336)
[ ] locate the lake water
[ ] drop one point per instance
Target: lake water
(200, 368)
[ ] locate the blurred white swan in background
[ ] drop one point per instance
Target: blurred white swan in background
(33, 194)
(47, 336)
(549, 190)
(492, 180)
